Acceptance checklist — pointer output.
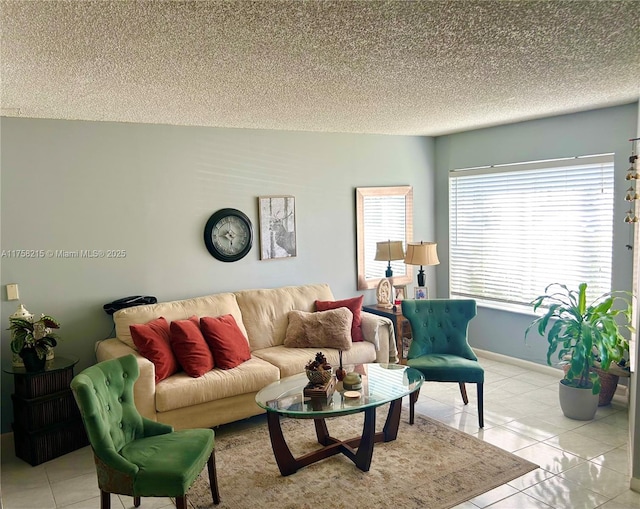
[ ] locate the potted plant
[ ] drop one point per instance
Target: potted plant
(32, 339)
(582, 335)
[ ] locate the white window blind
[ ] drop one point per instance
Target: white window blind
(385, 219)
(514, 229)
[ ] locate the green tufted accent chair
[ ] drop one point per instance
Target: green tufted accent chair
(134, 455)
(439, 348)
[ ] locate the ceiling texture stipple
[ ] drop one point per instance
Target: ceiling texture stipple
(392, 67)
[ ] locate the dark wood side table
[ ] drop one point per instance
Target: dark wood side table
(47, 422)
(401, 327)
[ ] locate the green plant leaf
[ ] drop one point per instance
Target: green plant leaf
(582, 298)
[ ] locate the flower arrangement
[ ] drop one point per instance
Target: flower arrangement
(37, 335)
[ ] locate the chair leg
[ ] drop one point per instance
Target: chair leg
(136, 501)
(480, 406)
(463, 391)
(181, 502)
(105, 500)
(413, 397)
(213, 478)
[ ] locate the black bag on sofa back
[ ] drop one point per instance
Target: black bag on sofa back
(127, 302)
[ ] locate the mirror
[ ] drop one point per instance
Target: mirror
(382, 213)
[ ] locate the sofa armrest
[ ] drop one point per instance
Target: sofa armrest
(144, 390)
(379, 331)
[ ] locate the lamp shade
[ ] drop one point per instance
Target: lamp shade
(389, 250)
(422, 254)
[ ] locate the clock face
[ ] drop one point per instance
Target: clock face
(228, 235)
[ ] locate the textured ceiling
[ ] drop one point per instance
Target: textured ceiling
(396, 67)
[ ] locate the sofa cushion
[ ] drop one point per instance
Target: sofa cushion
(265, 311)
(152, 341)
(209, 305)
(225, 339)
(180, 390)
(322, 329)
(354, 305)
(291, 361)
(189, 347)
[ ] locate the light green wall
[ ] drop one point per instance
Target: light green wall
(149, 190)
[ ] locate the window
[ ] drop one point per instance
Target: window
(516, 228)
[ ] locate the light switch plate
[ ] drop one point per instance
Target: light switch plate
(12, 292)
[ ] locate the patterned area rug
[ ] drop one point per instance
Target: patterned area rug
(429, 466)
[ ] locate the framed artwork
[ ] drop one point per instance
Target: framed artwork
(421, 292)
(277, 227)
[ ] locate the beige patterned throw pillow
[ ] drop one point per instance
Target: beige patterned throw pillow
(330, 329)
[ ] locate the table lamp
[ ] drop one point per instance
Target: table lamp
(387, 251)
(421, 254)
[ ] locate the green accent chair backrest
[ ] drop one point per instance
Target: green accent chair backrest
(439, 346)
(134, 455)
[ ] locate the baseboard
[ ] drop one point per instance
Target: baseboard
(622, 392)
(532, 366)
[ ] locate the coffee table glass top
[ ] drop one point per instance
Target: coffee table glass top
(381, 383)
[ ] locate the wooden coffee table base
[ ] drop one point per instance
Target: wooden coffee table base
(358, 449)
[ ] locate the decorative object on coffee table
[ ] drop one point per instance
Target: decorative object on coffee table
(318, 370)
(321, 393)
(352, 382)
(340, 372)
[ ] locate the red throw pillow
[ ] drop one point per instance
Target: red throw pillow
(152, 341)
(229, 346)
(190, 348)
(354, 305)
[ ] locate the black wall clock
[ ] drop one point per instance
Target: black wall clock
(228, 235)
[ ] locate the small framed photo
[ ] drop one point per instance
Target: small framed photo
(421, 292)
(277, 227)
(401, 293)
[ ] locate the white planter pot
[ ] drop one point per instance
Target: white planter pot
(579, 404)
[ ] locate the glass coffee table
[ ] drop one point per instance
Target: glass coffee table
(381, 384)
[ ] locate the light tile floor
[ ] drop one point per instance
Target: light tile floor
(583, 465)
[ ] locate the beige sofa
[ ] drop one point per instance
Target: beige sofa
(222, 396)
